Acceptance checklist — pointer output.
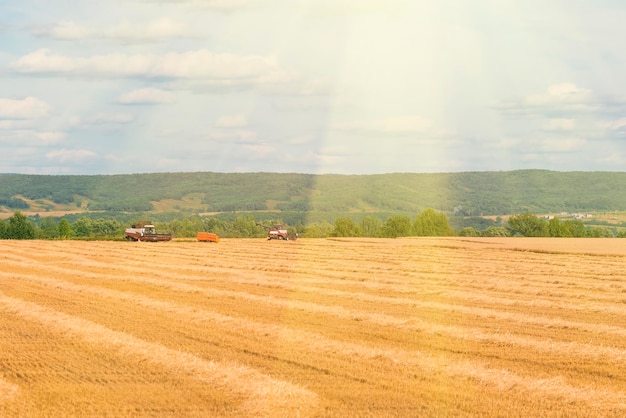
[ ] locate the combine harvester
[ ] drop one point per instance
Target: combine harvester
(280, 232)
(145, 231)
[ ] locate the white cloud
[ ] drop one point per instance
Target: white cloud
(199, 64)
(217, 5)
(197, 70)
(242, 136)
(51, 137)
(148, 95)
(291, 84)
(399, 125)
(565, 90)
(314, 159)
(26, 151)
(559, 145)
(618, 125)
(560, 124)
(155, 30)
(32, 137)
(560, 94)
(616, 160)
(65, 155)
(102, 120)
(325, 158)
(128, 32)
(352, 7)
(106, 118)
(66, 30)
(27, 108)
(259, 150)
(614, 129)
(231, 121)
(524, 146)
(301, 140)
(558, 98)
(15, 124)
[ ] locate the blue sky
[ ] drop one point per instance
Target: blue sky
(313, 86)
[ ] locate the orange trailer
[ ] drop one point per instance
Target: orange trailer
(207, 237)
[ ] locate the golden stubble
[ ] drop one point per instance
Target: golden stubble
(345, 327)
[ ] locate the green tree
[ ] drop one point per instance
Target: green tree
(598, 232)
(49, 228)
(397, 226)
(575, 228)
(3, 230)
(103, 228)
(345, 227)
(432, 224)
(82, 227)
(528, 225)
(183, 228)
(20, 227)
(215, 225)
(495, 231)
(245, 226)
(569, 228)
(318, 230)
(65, 230)
(371, 226)
(469, 231)
(556, 228)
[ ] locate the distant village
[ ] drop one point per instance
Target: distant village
(578, 216)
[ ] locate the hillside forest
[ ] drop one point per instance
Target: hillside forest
(515, 203)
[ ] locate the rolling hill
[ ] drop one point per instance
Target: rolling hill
(467, 194)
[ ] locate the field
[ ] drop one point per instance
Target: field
(343, 328)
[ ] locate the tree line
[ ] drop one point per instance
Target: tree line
(427, 223)
(529, 225)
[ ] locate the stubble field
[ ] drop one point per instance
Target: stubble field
(345, 327)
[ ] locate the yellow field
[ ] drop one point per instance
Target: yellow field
(346, 327)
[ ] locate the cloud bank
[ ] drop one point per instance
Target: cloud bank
(320, 86)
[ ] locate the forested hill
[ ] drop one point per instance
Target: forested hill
(470, 193)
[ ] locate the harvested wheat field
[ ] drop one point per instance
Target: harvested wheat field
(344, 327)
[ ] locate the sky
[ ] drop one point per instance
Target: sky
(311, 86)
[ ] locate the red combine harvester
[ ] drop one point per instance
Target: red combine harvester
(280, 232)
(145, 231)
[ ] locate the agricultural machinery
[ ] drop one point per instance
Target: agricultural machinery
(145, 231)
(280, 232)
